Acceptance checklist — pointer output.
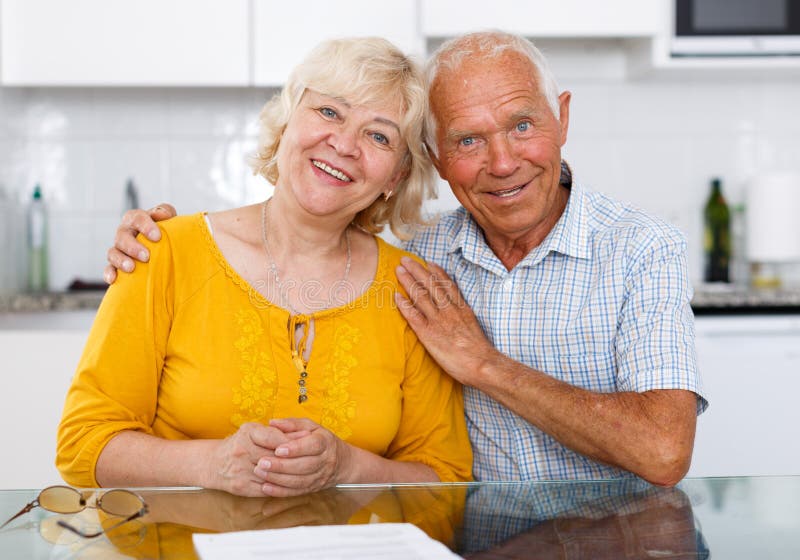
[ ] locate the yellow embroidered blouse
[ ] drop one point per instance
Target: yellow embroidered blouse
(186, 349)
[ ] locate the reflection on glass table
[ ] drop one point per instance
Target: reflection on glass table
(700, 518)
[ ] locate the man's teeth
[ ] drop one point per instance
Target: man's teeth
(509, 192)
(331, 171)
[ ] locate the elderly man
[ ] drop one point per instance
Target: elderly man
(570, 325)
(576, 347)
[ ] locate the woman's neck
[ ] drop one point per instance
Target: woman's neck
(293, 233)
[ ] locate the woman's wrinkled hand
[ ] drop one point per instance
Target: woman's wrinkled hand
(126, 249)
(233, 463)
(312, 459)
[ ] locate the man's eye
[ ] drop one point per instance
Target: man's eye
(468, 141)
(523, 126)
(328, 112)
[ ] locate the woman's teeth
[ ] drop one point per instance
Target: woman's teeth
(331, 171)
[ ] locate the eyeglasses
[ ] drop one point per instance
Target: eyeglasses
(64, 499)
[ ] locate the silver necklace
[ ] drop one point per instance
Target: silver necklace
(297, 358)
(273, 268)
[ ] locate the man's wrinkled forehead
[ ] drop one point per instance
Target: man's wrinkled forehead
(457, 67)
(482, 78)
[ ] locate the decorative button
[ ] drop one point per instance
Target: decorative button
(301, 382)
(301, 399)
(303, 390)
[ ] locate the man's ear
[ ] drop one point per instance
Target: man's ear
(563, 114)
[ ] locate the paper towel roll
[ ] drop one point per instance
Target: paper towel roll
(773, 218)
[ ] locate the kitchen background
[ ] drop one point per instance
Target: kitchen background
(654, 138)
(654, 143)
(166, 93)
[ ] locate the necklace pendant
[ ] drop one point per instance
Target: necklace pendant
(302, 390)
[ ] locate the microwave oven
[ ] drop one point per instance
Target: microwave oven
(736, 28)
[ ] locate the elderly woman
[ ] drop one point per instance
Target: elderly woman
(260, 351)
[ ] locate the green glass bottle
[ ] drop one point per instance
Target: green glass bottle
(717, 235)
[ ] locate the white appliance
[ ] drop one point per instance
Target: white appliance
(736, 28)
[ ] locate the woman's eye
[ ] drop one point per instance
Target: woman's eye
(328, 112)
(523, 126)
(380, 138)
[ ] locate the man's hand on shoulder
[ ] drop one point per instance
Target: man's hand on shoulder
(126, 249)
(443, 321)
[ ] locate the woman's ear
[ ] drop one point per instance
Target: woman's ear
(396, 179)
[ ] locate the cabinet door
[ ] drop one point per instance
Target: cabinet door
(124, 42)
(542, 18)
(751, 371)
(37, 369)
(284, 32)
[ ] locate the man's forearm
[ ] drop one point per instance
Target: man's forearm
(650, 434)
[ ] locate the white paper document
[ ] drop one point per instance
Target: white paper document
(384, 541)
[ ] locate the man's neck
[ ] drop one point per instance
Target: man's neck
(511, 250)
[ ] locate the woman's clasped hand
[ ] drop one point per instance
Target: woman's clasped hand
(292, 456)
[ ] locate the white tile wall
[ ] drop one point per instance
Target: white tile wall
(653, 142)
(184, 146)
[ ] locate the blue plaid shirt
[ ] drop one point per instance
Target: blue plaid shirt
(602, 303)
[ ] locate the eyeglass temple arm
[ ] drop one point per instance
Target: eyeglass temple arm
(23, 511)
(61, 523)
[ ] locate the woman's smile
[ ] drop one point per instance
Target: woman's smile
(331, 171)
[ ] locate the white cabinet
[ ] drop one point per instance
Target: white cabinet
(751, 371)
(284, 32)
(124, 42)
(36, 369)
(542, 18)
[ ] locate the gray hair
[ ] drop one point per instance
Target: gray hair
(486, 45)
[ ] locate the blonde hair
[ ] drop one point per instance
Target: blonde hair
(362, 71)
(486, 45)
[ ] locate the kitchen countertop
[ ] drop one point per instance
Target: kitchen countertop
(51, 301)
(58, 311)
(737, 300)
(708, 300)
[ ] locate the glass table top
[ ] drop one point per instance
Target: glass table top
(730, 518)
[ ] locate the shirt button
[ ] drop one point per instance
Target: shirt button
(507, 284)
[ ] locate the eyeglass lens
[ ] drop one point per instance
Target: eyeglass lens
(62, 499)
(120, 502)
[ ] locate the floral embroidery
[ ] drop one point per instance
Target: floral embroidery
(338, 408)
(255, 395)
